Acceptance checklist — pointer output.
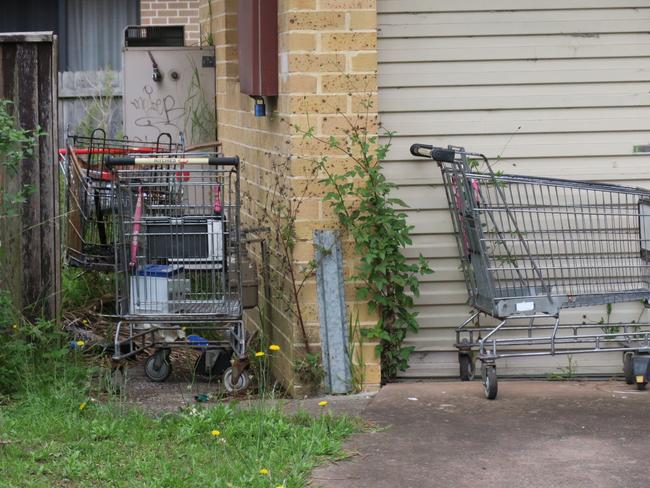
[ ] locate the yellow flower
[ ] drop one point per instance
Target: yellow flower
(324, 403)
(274, 347)
(215, 433)
(264, 471)
(259, 354)
(84, 321)
(82, 405)
(280, 486)
(14, 327)
(80, 343)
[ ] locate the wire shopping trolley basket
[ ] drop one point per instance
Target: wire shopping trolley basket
(89, 194)
(530, 247)
(178, 274)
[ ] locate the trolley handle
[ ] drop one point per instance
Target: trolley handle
(157, 160)
(440, 154)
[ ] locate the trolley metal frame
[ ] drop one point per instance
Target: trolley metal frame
(177, 254)
(531, 247)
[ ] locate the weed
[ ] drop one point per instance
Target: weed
(309, 369)
(565, 374)
(59, 435)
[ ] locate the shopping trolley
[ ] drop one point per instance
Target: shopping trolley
(177, 255)
(89, 193)
(530, 247)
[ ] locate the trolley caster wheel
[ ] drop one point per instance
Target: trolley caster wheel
(490, 384)
(466, 367)
(157, 367)
(641, 386)
(242, 384)
(628, 368)
(212, 363)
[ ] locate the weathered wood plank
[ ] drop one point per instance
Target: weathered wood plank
(48, 173)
(27, 92)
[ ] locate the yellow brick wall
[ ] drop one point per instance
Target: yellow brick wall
(327, 63)
(164, 12)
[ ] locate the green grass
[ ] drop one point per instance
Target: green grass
(52, 442)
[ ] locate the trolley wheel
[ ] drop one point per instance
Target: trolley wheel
(213, 371)
(628, 368)
(641, 386)
(157, 367)
(242, 384)
(490, 383)
(466, 367)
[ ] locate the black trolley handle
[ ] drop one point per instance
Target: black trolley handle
(163, 160)
(439, 154)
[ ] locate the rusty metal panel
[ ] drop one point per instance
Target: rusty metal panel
(181, 101)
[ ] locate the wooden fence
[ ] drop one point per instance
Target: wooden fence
(90, 99)
(30, 248)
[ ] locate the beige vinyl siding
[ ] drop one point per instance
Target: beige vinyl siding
(557, 88)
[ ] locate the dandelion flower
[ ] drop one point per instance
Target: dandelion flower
(14, 327)
(82, 405)
(274, 347)
(215, 433)
(259, 354)
(324, 403)
(280, 486)
(264, 471)
(80, 343)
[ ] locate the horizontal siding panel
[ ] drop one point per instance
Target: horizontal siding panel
(508, 23)
(400, 6)
(531, 121)
(442, 247)
(484, 73)
(520, 97)
(536, 145)
(632, 170)
(401, 50)
(445, 364)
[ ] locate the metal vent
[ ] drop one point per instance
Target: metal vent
(154, 36)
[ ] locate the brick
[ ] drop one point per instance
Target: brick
(364, 19)
(323, 104)
(338, 125)
(321, 63)
(177, 20)
(364, 103)
(298, 5)
(349, 83)
(297, 41)
(309, 209)
(349, 41)
(314, 20)
(365, 62)
(299, 84)
(347, 4)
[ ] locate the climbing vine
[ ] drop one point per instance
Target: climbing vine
(362, 201)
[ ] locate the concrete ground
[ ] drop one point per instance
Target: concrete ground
(592, 434)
